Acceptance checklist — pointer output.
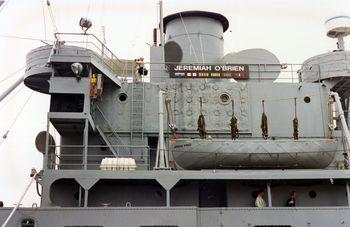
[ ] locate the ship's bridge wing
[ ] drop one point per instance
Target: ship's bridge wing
(45, 60)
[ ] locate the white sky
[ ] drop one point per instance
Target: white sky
(292, 29)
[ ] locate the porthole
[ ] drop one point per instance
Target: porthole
(312, 194)
(225, 98)
(122, 97)
(307, 99)
(27, 222)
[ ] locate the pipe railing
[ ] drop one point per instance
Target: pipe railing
(67, 160)
(106, 55)
(287, 71)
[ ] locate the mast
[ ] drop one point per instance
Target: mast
(11, 88)
(161, 25)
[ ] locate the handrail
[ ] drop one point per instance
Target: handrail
(107, 56)
(87, 34)
(65, 160)
(98, 146)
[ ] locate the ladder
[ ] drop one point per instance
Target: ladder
(136, 119)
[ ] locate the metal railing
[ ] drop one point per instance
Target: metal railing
(72, 157)
(283, 73)
(92, 43)
(125, 68)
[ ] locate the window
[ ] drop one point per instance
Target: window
(67, 103)
(225, 98)
(307, 99)
(123, 97)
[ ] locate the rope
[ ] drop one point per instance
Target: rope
(37, 189)
(201, 122)
(295, 122)
(234, 124)
(264, 126)
(201, 126)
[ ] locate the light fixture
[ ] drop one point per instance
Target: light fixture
(77, 68)
(85, 24)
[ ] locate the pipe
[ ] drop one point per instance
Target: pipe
(19, 201)
(11, 88)
(161, 157)
(168, 198)
(344, 125)
(269, 194)
(341, 45)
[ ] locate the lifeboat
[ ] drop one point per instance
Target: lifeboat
(196, 154)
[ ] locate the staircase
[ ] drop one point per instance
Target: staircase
(342, 87)
(112, 139)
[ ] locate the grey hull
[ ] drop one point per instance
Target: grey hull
(182, 217)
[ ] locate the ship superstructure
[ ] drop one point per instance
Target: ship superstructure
(193, 145)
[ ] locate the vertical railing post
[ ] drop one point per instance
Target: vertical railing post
(269, 196)
(79, 199)
(46, 154)
(85, 142)
(86, 198)
(168, 198)
(348, 192)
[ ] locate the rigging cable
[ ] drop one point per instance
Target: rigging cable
(16, 118)
(189, 39)
(25, 38)
(44, 19)
(52, 17)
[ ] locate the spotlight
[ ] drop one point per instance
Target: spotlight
(77, 68)
(85, 24)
